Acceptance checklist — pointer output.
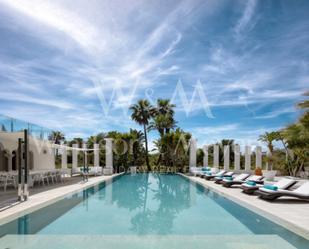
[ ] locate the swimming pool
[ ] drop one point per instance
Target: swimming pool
(146, 211)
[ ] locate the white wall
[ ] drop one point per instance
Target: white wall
(43, 153)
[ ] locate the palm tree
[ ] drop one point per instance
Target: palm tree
(136, 146)
(56, 137)
(163, 123)
(304, 119)
(165, 107)
(142, 112)
(304, 104)
(77, 140)
(165, 111)
(268, 138)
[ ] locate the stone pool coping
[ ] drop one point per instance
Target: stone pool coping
(293, 216)
(43, 199)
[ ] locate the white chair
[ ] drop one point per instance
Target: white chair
(7, 179)
(53, 176)
(36, 179)
(44, 176)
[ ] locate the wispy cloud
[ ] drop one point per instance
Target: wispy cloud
(17, 97)
(53, 15)
(207, 130)
(276, 113)
(70, 60)
(246, 17)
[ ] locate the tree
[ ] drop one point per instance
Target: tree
(174, 148)
(268, 138)
(200, 157)
(165, 107)
(165, 114)
(304, 104)
(77, 140)
(296, 144)
(56, 137)
(164, 122)
(295, 139)
(142, 112)
(136, 146)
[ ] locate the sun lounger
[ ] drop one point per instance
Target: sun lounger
(204, 172)
(218, 179)
(211, 175)
(302, 192)
(197, 171)
(238, 180)
(284, 183)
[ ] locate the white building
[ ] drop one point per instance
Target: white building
(41, 154)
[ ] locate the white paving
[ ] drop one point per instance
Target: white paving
(144, 242)
(46, 198)
(292, 214)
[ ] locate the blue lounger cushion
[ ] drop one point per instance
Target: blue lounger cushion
(251, 183)
(271, 187)
(206, 169)
(229, 178)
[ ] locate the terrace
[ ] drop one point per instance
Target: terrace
(154, 124)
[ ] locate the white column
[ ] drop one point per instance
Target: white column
(85, 162)
(226, 157)
(96, 155)
(258, 157)
(216, 156)
(205, 159)
(192, 160)
(74, 157)
(236, 157)
(108, 190)
(247, 158)
(64, 160)
(108, 170)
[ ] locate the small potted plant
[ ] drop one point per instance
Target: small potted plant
(258, 171)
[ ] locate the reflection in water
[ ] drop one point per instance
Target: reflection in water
(35, 221)
(166, 199)
(147, 204)
(154, 199)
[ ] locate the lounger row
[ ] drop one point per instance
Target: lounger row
(253, 184)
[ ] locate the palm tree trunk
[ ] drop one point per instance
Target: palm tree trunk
(146, 145)
(159, 159)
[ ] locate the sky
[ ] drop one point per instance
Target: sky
(234, 69)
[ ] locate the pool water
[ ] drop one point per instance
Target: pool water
(146, 211)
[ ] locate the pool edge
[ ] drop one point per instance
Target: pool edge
(271, 216)
(28, 207)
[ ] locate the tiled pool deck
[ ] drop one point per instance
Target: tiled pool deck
(48, 197)
(291, 214)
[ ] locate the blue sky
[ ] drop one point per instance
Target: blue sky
(235, 69)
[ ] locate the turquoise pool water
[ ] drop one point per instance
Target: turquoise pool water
(146, 211)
